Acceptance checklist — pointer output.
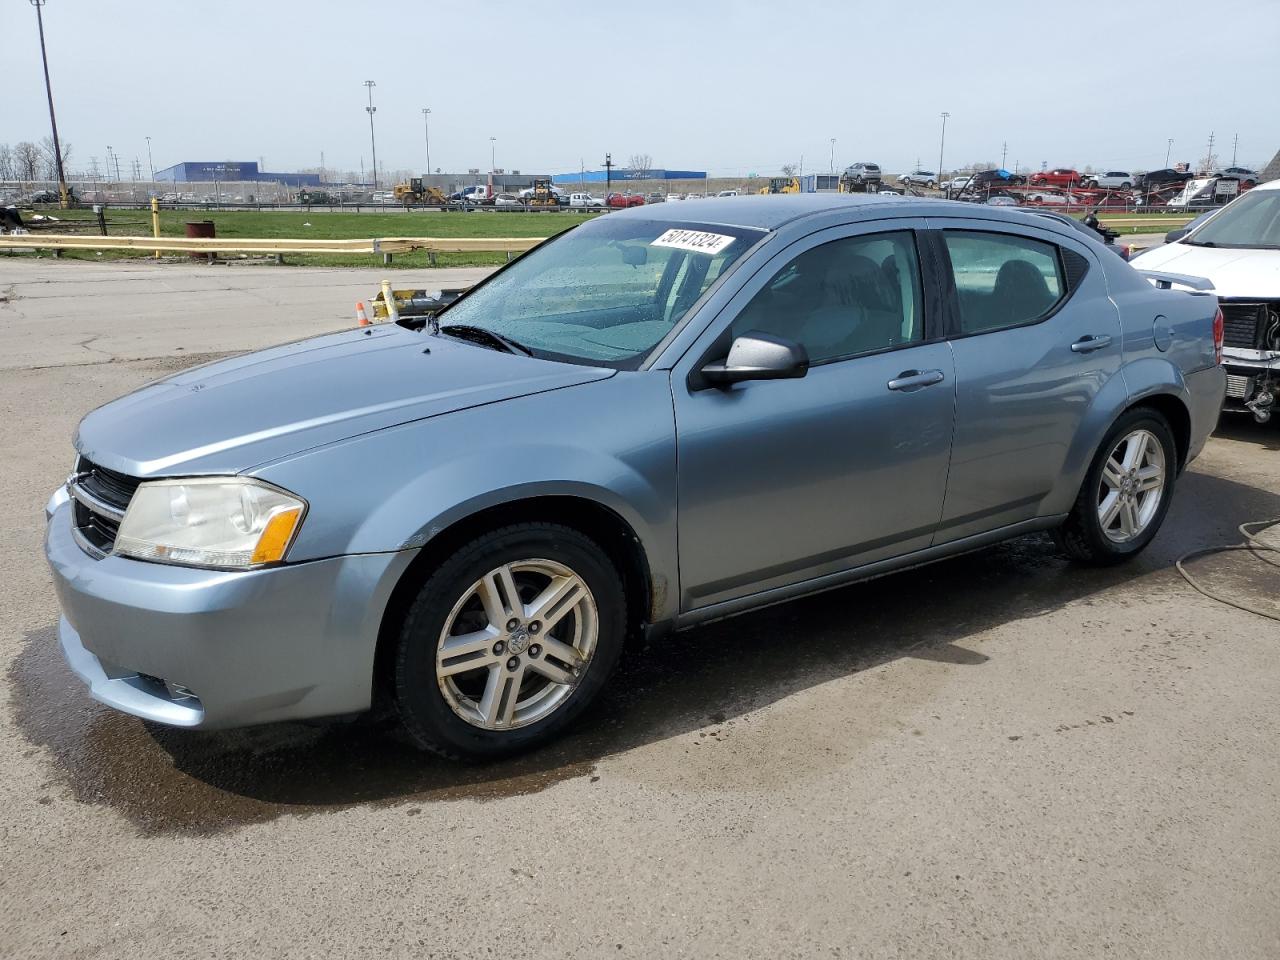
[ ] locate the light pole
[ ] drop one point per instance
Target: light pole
(1168, 152)
(150, 163)
(493, 163)
(426, 135)
(833, 156)
(53, 120)
(942, 146)
(373, 143)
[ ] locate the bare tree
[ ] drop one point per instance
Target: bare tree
(640, 164)
(49, 157)
(788, 169)
(26, 161)
(6, 162)
(1208, 163)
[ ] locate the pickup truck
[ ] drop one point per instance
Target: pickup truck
(584, 200)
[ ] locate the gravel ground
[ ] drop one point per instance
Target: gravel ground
(998, 756)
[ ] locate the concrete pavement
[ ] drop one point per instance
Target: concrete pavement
(1001, 756)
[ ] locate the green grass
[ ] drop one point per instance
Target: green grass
(321, 225)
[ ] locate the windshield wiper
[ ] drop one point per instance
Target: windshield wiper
(1199, 243)
(484, 337)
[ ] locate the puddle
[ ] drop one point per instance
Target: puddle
(167, 781)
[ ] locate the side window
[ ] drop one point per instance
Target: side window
(843, 298)
(1003, 280)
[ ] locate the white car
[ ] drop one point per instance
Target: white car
(584, 200)
(1238, 251)
(727, 193)
(1243, 174)
(999, 201)
(675, 196)
(1111, 180)
(924, 178)
(956, 184)
(508, 200)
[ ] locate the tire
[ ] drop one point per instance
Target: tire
(931, 185)
(1126, 185)
(1082, 535)
(444, 711)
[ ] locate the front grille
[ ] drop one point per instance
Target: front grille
(94, 526)
(1251, 324)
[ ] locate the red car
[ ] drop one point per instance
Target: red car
(1062, 177)
(625, 200)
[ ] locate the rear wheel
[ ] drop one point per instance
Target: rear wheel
(508, 641)
(1126, 492)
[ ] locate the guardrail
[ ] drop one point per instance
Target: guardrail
(276, 245)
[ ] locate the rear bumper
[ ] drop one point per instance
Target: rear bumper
(202, 648)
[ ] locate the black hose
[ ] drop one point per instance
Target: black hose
(1251, 543)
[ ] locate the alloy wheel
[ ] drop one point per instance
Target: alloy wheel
(1131, 486)
(516, 644)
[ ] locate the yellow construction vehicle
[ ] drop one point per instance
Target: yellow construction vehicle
(543, 195)
(416, 192)
(782, 185)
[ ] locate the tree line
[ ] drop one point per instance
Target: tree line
(32, 161)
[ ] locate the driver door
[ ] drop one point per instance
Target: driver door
(783, 481)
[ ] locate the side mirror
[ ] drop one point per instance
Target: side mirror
(1173, 236)
(758, 356)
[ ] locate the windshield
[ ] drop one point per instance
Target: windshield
(1251, 221)
(605, 293)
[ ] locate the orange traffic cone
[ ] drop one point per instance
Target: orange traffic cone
(362, 318)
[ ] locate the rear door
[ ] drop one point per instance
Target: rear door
(1035, 337)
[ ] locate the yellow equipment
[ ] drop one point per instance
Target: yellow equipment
(543, 195)
(415, 192)
(782, 185)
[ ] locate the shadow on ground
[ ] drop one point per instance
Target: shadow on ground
(166, 781)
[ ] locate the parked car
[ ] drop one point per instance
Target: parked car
(985, 181)
(1112, 180)
(1247, 177)
(508, 200)
(727, 193)
(656, 198)
(956, 184)
(923, 178)
(1001, 200)
(1058, 177)
(862, 174)
(1155, 179)
(584, 200)
(675, 196)
(623, 200)
(242, 543)
(1177, 233)
(1237, 249)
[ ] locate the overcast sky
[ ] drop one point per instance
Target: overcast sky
(732, 88)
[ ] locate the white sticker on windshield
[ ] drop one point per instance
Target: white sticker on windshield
(694, 240)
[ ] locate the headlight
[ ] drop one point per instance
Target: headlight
(225, 522)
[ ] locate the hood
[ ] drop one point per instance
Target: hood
(229, 416)
(1233, 272)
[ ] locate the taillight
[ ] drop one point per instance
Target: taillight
(1219, 333)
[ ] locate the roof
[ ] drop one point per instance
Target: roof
(764, 212)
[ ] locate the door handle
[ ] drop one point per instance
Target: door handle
(909, 380)
(1090, 343)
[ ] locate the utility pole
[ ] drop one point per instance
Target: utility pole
(833, 156)
(53, 120)
(1168, 152)
(608, 175)
(373, 143)
(150, 163)
(426, 135)
(942, 144)
(493, 153)
(1235, 143)
(1004, 152)
(322, 166)
(1209, 156)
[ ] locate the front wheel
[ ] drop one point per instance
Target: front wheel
(508, 641)
(1126, 492)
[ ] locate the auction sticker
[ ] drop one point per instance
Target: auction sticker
(694, 240)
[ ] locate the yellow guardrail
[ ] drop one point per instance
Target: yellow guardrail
(273, 245)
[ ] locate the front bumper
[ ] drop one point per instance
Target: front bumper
(209, 649)
(1253, 379)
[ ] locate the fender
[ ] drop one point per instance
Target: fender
(415, 480)
(1137, 380)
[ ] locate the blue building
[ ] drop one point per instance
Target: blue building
(622, 173)
(227, 170)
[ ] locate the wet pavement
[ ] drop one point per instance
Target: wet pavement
(999, 755)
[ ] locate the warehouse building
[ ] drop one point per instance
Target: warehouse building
(228, 170)
(622, 173)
